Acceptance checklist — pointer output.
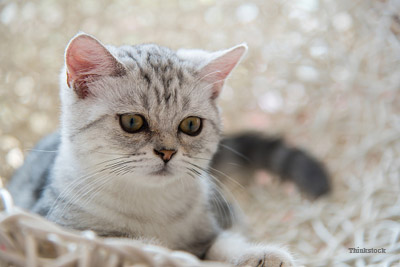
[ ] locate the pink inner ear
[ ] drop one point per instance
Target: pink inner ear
(86, 56)
(219, 69)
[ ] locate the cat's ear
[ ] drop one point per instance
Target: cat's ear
(221, 65)
(87, 59)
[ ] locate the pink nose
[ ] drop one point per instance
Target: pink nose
(164, 154)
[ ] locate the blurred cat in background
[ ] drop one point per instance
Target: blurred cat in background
(140, 136)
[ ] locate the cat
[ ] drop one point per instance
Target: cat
(140, 132)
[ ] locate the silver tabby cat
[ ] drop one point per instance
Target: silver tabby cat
(139, 128)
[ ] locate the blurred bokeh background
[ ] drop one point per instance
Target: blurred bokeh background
(323, 74)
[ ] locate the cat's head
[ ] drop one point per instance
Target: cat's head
(145, 111)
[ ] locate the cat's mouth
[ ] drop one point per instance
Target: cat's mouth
(164, 171)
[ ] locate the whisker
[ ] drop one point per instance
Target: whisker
(80, 194)
(99, 169)
(236, 152)
(220, 172)
(208, 85)
(228, 177)
(93, 193)
(41, 150)
(120, 154)
(107, 161)
(214, 199)
(218, 186)
(187, 155)
(191, 174)
(198, 80)
(125, 162)
(72, 186)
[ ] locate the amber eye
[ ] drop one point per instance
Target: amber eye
(131, 123)
(191, 126)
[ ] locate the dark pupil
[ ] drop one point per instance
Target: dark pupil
(190, 125)
(132, 122)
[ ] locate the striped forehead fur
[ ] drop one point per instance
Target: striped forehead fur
(156, 77)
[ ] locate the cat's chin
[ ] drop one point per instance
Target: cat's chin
(162, 172)
(157, 176)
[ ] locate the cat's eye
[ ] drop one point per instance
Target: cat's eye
(131, 123)
(191, 126)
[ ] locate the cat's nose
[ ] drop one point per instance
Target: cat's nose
(165, 154)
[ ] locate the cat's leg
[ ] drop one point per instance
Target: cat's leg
(235, 249)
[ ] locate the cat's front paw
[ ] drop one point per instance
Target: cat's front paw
(261, 256)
